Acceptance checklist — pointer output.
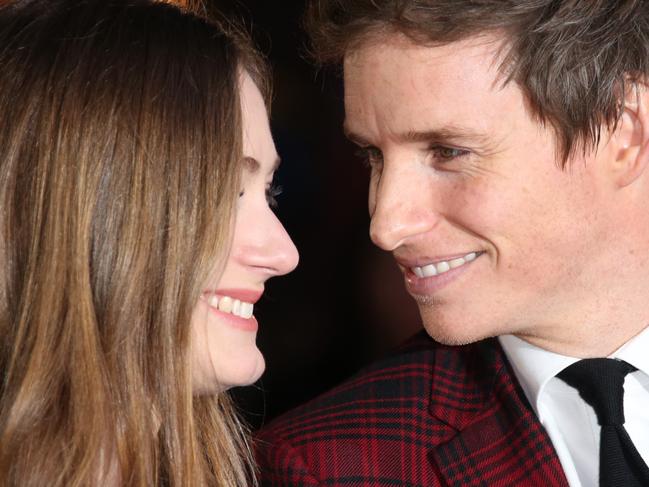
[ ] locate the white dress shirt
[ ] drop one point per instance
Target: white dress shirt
(570, 422)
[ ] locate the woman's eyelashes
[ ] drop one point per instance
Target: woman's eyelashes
(272, 191)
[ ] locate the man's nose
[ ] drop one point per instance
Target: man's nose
(401, 207)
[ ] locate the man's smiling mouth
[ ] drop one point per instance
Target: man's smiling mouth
(436, 268)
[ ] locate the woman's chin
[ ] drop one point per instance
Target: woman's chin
(242, 372)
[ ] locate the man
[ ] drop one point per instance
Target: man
(508, 142)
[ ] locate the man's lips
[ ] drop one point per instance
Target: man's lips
(429, 279)
(425, 267)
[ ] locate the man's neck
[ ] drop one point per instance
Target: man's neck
(587, 342)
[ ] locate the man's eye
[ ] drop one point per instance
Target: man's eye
(447, 153)
(272, 192)
(370, 156)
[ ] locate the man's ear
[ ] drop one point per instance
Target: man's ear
(632, 136)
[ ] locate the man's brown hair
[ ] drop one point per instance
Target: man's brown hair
(573, 59)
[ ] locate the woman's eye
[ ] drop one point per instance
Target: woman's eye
(448, 153)
(272, 192)
(370, 156)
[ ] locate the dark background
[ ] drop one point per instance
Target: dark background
(345, 304)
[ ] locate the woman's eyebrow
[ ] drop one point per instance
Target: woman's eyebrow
(253, 165)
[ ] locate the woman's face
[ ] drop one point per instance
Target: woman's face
(224, 328)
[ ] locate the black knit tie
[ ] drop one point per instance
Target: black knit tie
(600, 382)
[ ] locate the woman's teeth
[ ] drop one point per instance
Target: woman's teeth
(443, 266)
(230, 305)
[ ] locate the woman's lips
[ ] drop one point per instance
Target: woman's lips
(234, 306)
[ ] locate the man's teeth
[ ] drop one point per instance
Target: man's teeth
(443, 266)
(231, 305)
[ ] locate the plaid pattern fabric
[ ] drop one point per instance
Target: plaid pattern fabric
(428, 415)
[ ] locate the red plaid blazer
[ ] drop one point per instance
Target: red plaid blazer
(427, 415)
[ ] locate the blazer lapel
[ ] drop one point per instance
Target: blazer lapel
(494, 437)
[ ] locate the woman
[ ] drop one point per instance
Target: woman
(135, 178)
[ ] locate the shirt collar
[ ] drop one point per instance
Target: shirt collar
(635, 351)
(535, 366)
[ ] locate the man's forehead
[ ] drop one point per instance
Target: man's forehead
(402, 75)
(411, 93)
(485, 47)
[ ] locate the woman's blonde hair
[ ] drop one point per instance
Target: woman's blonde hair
(120, 142)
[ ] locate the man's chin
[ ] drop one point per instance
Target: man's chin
(455, 332)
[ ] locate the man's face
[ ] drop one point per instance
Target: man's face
(467, 193)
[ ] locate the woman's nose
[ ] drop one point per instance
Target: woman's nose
(281, 252)
(264, 243)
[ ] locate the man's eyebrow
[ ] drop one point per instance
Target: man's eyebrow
(448, 134)
(253, 165)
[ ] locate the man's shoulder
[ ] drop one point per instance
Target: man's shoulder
(381, 426)
(401, 383)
